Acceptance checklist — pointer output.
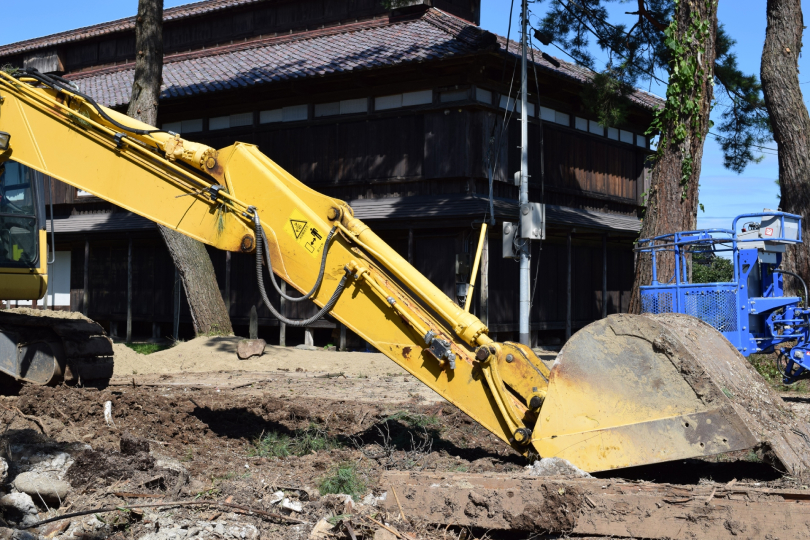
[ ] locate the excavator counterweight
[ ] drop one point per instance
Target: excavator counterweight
(624, 392)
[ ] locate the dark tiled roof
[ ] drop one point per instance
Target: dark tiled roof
(434, 35)
(466, 206)
(179, 12)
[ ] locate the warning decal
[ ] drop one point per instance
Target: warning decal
(298, 227)
(306, 235)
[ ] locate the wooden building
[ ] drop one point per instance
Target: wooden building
(401, 113)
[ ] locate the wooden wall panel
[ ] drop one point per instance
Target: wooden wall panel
(435, 258)
(582, 163)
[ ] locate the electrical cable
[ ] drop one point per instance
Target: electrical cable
(797, 276)
(262, 242)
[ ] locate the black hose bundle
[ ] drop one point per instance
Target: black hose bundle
(262, 245)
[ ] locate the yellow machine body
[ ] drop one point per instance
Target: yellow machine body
(209, 194)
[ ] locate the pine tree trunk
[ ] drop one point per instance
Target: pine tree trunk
(672, 199)
(207, 307)
(791, 123)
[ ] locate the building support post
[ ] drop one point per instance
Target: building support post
(129, 291)
(309, 338)
(604, 276)
(228, 282)
(342, 342)
(525, 250)
(86, 291)
(568, 314)
(177, 285)
(410, 246)
(282, 328)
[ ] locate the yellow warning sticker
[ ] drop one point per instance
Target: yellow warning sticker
(305, 233)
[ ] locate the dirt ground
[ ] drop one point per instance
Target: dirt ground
(204, 354)
(221, 431)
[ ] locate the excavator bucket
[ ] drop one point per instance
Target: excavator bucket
(633, 390)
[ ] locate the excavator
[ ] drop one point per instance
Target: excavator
(625, 391)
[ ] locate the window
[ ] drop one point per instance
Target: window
(354, 106)
(613, 133)
(484, 96)
(327, 109)
(562, 118)
(383, 103)
(292, 113)
(641, 141)
(347, 106)
(232, 121)
(596, 128)
(509, 104)
(220, 122)
(626, 137)
(548, 115)
(19, 234)
(185, 126)
(408, 99)
(454, 95)
(581, 124)
(422, 97)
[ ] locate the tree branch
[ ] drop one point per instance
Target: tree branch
(642, 12)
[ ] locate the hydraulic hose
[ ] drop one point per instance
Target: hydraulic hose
(57, 82)
(797, 276)
(261, 245)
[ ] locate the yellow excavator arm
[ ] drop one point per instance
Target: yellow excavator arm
(237, 199)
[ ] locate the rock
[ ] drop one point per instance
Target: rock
(382, 534)
(131, 445)
(22, 502)
(6, 533)
(556, 467)
(307, 347)
(371, 500)
(219, 529)
(3, 471)
(331, 348)
(164, 462)
(275, 497)
(52, 490)
(292, 506)
(248, 348)
(24, 535)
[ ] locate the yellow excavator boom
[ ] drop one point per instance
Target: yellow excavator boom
(233, 198)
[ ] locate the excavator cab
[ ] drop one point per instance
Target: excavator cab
(23, 244)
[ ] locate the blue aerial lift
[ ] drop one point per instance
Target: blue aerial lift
(751, 311)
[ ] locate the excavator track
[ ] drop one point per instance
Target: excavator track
(50, 347)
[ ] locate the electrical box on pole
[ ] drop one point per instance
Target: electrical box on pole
(533, 221)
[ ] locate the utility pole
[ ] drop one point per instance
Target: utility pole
(525, 248)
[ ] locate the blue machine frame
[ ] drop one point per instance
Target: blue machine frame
(750, 311)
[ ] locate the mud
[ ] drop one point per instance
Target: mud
(557, 510)
(103, 467)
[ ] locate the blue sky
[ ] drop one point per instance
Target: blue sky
(723, 193)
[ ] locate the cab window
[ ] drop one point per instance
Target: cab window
(19, 238)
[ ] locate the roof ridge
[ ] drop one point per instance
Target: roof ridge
(368, 24)
(177, 12)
